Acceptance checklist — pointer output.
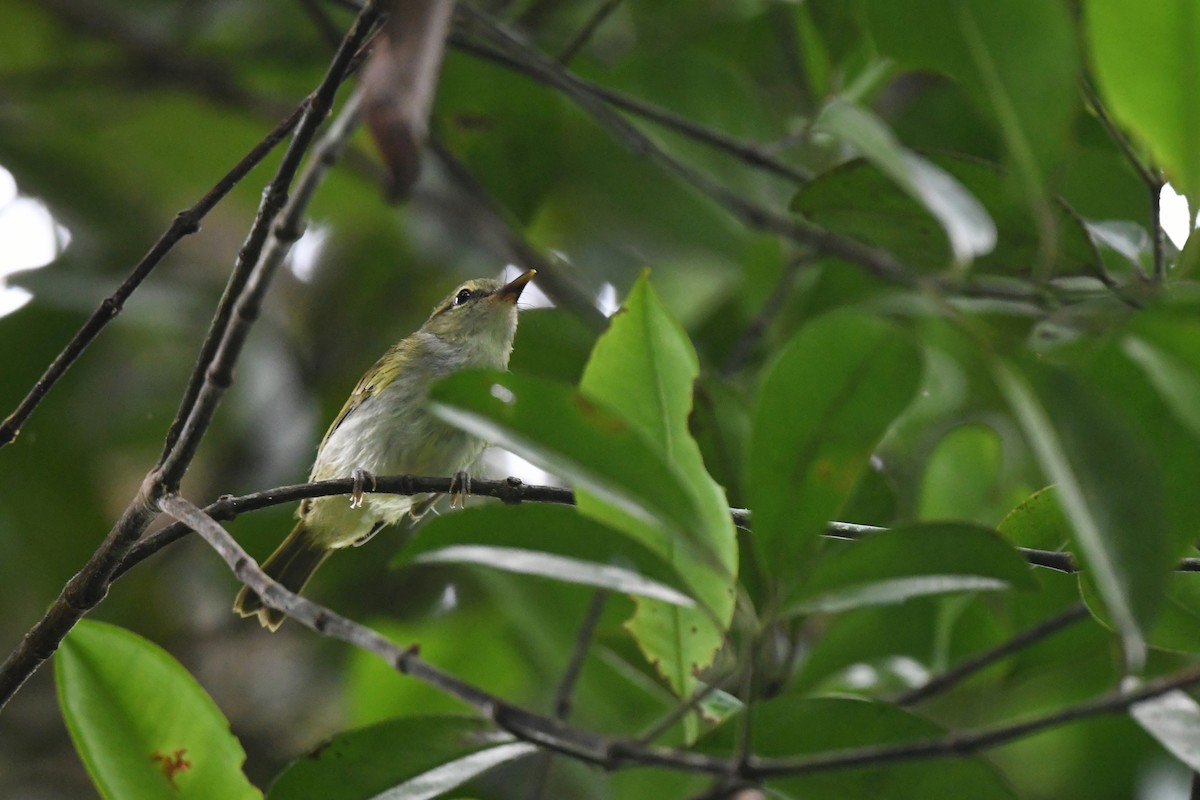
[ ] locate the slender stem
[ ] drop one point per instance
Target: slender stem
(874, 260)
(580, 39)
(952, 677)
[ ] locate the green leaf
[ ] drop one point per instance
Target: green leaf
(823, 407)
(1017, 58)
(414, 758)
(644, 368)
(1038, 522)
(965, 221)
(1147, 63)
(1176, 627)
(561, 431)
(797, 726)
(142, 725)
(550, 541)
(962, 476)
(913, 561)
(1165, 351)
(496, 661)
(1109, 488)
(551, 343)
(857, 198)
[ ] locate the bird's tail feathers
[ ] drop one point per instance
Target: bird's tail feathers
(291, 565)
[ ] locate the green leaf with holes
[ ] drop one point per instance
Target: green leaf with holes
(644, 368)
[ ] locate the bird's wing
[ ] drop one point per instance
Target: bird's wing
(376, 379)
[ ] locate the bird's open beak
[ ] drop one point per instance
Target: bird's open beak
(510, 291)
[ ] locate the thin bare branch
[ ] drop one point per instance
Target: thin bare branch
(553, 277)
(752, 153)
(584, 35)
(776, 302)
(252, 274)
(952, 677)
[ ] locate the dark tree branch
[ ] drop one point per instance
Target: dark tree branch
(751, 153)
(952, 677)
(617, 753)
(212, 375)
(584, 35)
(252, 274)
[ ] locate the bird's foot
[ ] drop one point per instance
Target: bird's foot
(460, 487)
(361, 476)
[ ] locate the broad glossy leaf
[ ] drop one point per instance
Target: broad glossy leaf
(560, 430)
(497, 661)
(1109, 488)
(966, 222)
(644, 368)
(1038, 522)
(414, 758)
(1164, 348)
(551, 343)
(1018, 58)
(895, 565)
(1176, 628)
(823, 407)
(963, 476)
(1136, 50)
(550, 541)
(796, 726)
(858, 199)
(142, 725)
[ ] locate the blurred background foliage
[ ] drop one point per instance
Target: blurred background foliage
(115, 115)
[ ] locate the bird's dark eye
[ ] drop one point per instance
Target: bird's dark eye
(462, 297)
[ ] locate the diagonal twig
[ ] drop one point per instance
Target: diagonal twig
(952, 677)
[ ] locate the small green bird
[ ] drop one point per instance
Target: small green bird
(385, 429)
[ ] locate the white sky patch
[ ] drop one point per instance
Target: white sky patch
(606, 300)
(1173, 215)
(29, 238)
(532, 296)
(306, 252)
